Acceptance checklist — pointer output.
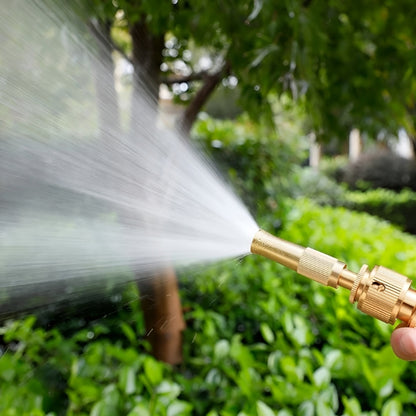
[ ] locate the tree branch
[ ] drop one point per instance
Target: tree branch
(211, 81)
(195, 76)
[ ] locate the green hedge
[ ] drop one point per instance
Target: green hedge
(380, 169)
(396, 207)
(260, 340)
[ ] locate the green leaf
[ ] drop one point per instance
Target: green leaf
(102, 408)
(323, 409)
(179, 408)
(352, 406)
(111, 395)
(241, 353)
(387, 388)
(293, 373)
(273, 361)
(221, 349)
(284, 412)
(392, 407)
(140, 410)
(127, 380)
(267, 333)
(7, 368)
(263, 409)
(306, 408)
(129, 333)
(153, 370)
(169, 389)
(301, 333)
(213, 377)
(321, 377)
(333, 359)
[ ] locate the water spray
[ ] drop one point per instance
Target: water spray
(380, 292)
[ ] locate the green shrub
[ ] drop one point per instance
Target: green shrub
(397, 208)
(34, 369)
(260, 340)
(306, 348)
(257, 160)
(334, 167)
(381, 169)
(320, 186)
(313, 184)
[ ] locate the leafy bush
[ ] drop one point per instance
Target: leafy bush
(34, 367)
(261, 340)
(257, 160)
(381, 169)
(313, 184)
(322, 187)
(334, 167)
(397, 208)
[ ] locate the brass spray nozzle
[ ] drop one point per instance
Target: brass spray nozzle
(381, 292)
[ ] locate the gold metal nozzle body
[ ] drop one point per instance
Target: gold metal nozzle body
(381, 292)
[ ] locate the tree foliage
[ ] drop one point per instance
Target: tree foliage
(350, 65)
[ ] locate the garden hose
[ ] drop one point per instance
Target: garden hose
(381, 292)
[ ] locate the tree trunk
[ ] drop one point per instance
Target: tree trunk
(147, 58)
(160, 296)
(163, 316)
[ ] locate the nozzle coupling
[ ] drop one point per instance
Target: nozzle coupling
(381, 292)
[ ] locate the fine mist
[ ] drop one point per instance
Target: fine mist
(80, 197)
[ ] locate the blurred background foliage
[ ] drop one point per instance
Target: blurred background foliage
(260, 340)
